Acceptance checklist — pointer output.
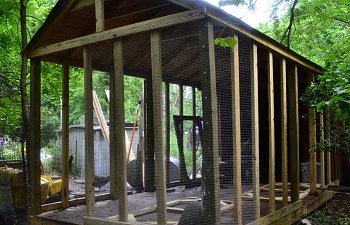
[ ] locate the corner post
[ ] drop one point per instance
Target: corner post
(35, 137)
(65, 135)
(312, 142)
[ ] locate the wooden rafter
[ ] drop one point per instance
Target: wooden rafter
(148, 25)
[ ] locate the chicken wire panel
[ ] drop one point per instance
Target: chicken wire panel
(13, 183)
(224, 71)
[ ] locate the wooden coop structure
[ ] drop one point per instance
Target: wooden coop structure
(254, 133)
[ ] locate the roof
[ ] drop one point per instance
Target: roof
(73, 19)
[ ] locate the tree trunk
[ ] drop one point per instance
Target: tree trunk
(23, 85)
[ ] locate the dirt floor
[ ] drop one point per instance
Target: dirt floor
(336, 212)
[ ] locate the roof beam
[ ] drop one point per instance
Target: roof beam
(144, 26)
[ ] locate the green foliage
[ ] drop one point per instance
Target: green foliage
(227, 42)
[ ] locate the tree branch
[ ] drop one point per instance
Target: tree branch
(288, 31)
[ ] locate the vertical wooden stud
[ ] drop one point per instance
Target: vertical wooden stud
(322, 158)
(183, 171)
(210, 180)
(194, 136)
(255, 134)
(271, 117)
(294, 131)
(149, 178)
(312, 142)
(158, 127)
(65, 135)
(236, 118)
(112, 137)
(89, 134)
(35, 137)
(100, 15)
(284, 132)
(167, 128)
(120, 131)
(329, 164)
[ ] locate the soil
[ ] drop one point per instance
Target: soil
(336, 212)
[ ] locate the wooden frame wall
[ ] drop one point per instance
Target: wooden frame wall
(154, 110)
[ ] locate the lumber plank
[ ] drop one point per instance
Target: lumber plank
(322, 153)
(329, 164)
(279, 215)
(35, 137)
(144, 26)
(89, 134)
(120, 131)
(167, 129)
(100, 15)
(112, 136)
(271, 119)
(194, 135)
(160, 168)
(312, 142)
(284, 131)
(211, 185)
(100, 117)
(98, 221)
(65, 135)
(293, 130)
(236, 128)
(255, 133)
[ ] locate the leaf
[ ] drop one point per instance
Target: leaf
(227, 42)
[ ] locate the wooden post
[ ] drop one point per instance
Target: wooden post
(293, 100)
(210, 179)
(167, 129)
(158, 127)
(89, 135)
(271, 117)
(284, 132)
(194, 136)
(112, 137)
(236, 128)
(255, 134)
(149, 135)
(329, 164)
(100, 15)
(183, 172)
(312, 142)
(120, 131)
(322, 159)
(35, 137)
(65, 135)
